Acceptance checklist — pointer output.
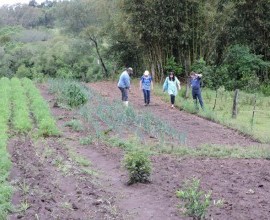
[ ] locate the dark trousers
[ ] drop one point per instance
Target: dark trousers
(172, 99)
(124, 92)
(146, 95)
(196, 94)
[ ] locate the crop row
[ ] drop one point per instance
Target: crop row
(21, 114)
(103, 115)
(41, 111)
(5, 162)
(120, 119)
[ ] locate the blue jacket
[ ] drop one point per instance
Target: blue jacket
(196, 83)
(146, 82)
(124, 80)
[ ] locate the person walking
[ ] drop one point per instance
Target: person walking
(196, 89)
(172, 85)
(124, 84)
(146, 84)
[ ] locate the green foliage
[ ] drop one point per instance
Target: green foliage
(138, 165)
(21, 114)
(172, 66)
(5, 162)
(74, 125)
(75, 95)
(69, 92)
(265, 89)
(242, 66)
(196, 201)
(41, 111)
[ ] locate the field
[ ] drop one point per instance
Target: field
(63, 146)
(219, 106)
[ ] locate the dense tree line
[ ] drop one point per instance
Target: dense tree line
(226, 40)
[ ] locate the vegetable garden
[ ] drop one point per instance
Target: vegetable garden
(74, 148)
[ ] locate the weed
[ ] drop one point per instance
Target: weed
(86, 140)
(196, 202)
(89, 172)
(75, 125)
(82, 161)
(24, 206)
(24, 187)
(138, 165)
(67, 205)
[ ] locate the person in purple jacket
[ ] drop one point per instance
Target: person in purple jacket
(196, 89)
(146, 84)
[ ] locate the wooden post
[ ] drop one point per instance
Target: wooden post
(235, 103)
(253, 113)
(215, 100)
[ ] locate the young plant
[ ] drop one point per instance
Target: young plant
(138, 165)
(196, 201)
(75, 125)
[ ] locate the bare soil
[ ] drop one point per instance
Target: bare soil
(58, 189)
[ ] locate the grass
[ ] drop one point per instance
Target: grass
(75, 125)
(259, 129)
(80, 160)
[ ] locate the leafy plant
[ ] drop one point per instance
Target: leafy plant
(171, 65)
(138, 165)
(196, 202)
(75, 95)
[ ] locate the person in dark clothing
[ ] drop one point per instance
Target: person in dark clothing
(196, 89)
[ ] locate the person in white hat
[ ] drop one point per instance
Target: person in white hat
(146, 84)
(124, 84)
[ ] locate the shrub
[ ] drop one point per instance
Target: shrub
(75, 95)
(196, 201)
(138, 165)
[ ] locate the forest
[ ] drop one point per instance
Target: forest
(226, 40)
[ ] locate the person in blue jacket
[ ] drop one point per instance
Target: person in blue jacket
(171, 85)
(196, 89)
(124, 84)
(146, 84)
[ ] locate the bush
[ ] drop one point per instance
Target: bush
(139, 166)
(75, 95)
(196, 201)
(265, 88)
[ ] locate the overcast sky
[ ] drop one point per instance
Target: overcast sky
(11, 2)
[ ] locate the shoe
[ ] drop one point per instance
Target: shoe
(125, 103)
(172, 106)
(145, 104)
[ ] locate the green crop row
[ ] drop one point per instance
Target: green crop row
(41, 111)
(5, 163)
(21, 118)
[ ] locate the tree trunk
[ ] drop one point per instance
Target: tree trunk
(100, 58)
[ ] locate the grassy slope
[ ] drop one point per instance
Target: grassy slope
(223, 110)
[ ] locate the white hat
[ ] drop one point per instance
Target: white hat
(130, 69)
(146, 73)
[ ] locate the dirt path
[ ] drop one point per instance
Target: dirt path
(199, 131)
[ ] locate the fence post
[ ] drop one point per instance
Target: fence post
(253, 113)
(235, 104)
(215, 100)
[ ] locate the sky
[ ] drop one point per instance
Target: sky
(11, 2)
